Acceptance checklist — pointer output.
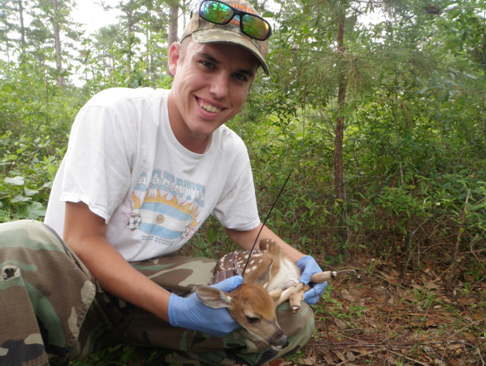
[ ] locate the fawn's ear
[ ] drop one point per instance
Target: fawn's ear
(264, 278)
(212, 296)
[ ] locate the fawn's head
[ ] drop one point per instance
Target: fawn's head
(251, 306)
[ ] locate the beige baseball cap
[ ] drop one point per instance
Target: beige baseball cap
(203, 31)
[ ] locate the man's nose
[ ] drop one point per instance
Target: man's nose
(219, 85)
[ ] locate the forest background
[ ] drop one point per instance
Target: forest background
(383, 124)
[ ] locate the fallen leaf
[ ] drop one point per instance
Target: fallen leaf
(389, 278)
(341, 323)
(478, 316)
(431, 285)
(356, 293)
(430, 323)
(340, 355)
(308, 361)
(417, 287)
(347, 296)
(329, 359)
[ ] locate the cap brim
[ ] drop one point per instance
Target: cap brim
(224, 36)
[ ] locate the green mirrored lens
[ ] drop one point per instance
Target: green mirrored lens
(215, 12)
(255, 27)
(221, 13)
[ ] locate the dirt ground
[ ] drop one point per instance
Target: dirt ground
(375, 315)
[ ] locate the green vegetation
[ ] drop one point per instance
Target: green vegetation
(384, 123)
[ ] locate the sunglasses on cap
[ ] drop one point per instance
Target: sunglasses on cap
(252, 25)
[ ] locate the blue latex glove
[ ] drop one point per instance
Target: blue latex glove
(191, 313)
(308, 266)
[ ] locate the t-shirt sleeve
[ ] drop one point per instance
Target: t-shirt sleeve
(98, 161)
(237, 208)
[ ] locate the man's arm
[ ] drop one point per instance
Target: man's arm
(245, 240)
(85, 233)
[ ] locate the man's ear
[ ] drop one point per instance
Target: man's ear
(174, 56)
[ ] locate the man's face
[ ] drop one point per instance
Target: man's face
(211, 82)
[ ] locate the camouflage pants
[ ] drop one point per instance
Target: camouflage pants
(52, 310)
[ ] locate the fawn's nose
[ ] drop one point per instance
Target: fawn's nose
(279, 340)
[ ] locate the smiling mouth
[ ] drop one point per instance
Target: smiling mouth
(209, 108)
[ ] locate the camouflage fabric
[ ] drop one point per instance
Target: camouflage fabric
(44, 295)
(56, 311)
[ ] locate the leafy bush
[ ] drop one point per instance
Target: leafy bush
(27, 172)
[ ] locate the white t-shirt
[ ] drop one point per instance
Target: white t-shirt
(125, 163)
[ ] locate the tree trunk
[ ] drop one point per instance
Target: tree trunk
(338, 141)
(57, 40)
(22, 26)
(483, 107)
(483, 110)
(173, 26)
(130, 37)
(149, 58)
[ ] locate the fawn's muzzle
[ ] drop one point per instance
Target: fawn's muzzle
(279, 340)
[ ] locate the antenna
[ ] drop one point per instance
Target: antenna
(264, 221)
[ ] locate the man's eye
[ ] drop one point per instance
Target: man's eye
(207, 64)
(240, 77)
(252, 320)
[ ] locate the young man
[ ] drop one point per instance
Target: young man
(143, 170)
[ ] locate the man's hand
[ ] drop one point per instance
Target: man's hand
(191, 313)
(308, 266)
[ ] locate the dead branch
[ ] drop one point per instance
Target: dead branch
(458, 241)
(361, 355)
(363, 344)
(408, 358)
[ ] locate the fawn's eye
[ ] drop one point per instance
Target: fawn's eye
(252, 320)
